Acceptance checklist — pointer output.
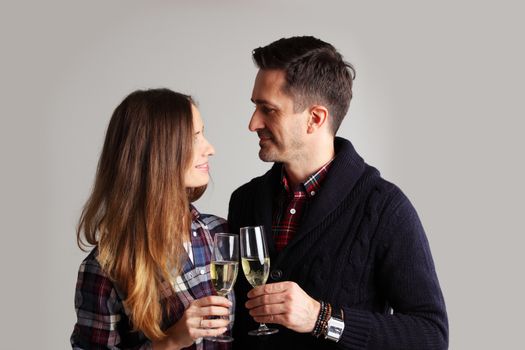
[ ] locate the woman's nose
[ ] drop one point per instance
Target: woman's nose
(210, 150)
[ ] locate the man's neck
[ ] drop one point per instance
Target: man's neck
(299, 170)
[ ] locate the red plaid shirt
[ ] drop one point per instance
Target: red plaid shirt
(290, 206)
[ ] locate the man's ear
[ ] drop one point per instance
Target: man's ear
(317, 119)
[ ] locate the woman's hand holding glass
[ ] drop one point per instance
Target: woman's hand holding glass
(198, 321)
(224, 269)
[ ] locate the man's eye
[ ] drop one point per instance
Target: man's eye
(267, 110)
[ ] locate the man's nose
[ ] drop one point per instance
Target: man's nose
(255, 122)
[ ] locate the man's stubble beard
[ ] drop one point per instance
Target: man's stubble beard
(267, 155)
(272, 154)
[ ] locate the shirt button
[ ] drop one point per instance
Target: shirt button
(292, 211)
(202, 271)
(312, 193)
(194, 233)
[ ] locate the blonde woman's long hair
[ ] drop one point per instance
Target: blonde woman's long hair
(138, 212)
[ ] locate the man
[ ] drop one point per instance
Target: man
(350, 263)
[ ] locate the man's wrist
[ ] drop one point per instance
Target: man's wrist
(317, 311)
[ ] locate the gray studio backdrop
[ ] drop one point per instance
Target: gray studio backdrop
(438, 108)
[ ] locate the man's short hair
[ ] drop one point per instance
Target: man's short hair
(315, 74)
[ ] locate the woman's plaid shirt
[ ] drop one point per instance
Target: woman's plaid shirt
(102, 320)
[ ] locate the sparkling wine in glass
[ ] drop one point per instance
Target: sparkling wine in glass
(224, 268)
(255, 264)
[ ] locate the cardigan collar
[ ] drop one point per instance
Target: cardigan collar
(345, 171)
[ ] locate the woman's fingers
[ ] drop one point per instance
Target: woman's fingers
(203, 316)
(213, 311)
(214, 323)
(209, 306)
(212, 300)
(210, 332)
(208, 328)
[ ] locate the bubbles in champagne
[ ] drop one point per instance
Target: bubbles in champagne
(223, 276)
(256, 270)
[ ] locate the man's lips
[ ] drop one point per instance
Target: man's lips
(264, 140)
(264, 136)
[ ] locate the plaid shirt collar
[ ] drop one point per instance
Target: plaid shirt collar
(313, 182)
(194, 213)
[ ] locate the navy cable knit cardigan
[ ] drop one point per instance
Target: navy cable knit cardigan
(360, 247)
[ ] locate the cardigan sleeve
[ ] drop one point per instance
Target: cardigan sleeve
(406, 275)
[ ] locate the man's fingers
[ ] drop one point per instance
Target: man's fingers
(276, 319)
(270, 288)
(266, 299)
(273, 309)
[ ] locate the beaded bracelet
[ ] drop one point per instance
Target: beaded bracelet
(322, 320)
(324, 328)
(317, 328)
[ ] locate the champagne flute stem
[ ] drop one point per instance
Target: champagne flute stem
(263, 327)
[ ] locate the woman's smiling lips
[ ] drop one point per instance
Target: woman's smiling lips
(203, 167)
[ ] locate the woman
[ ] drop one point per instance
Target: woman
(146, 283)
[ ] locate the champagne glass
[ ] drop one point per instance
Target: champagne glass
(224, 268)
(255, 264)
